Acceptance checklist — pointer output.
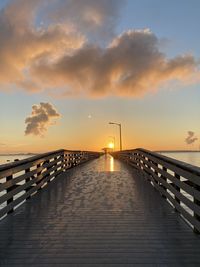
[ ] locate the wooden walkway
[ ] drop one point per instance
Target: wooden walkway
(101, 213)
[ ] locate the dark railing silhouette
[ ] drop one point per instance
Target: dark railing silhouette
(176, 181)
(22, 179)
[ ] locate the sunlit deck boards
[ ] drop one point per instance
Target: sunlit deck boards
(94, 217)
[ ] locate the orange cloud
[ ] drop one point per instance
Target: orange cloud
(22, 42)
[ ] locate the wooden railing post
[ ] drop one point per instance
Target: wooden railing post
(196, 216)
(142, 164)
(70, 160)
(138, 160)
(177, 188)
(149, 167)
(156, 173)
(165, 179)
(48, 168)
(10, 200)
(26, 181)
(75, 159)
(64, 161)
(38, 174)
(81, 157)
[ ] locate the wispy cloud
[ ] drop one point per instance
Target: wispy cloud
(2, 144)
(92, 17)
(42, 116)
(60, 55)
(190, 139)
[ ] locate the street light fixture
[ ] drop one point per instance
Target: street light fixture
(120, 133)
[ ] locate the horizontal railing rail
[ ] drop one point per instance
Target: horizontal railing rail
(177, 181)
(22, 179)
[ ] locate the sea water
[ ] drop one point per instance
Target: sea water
(7, 158)
(192, 158)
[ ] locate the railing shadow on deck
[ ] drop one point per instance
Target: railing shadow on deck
(22, 179)
(177, 182)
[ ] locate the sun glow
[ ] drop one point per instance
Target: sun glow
(111, 145)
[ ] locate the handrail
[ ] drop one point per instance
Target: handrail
(178, 163)
(22, 179)
(177, 181)
(27, 160)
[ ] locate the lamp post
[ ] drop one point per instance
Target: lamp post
(120, 133)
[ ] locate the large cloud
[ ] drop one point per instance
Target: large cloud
(60, 56)
(131, 65)
(42, 116)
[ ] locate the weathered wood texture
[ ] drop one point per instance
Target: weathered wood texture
(22, 179)
(177, 181)
(102, 213)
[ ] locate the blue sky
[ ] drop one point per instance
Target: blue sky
(157, 120)
(176, 21)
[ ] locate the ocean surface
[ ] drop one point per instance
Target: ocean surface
(192, 158)
(10, 158)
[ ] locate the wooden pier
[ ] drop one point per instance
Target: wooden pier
(103, 212)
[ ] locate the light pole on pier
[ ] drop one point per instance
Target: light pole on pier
(120, 133)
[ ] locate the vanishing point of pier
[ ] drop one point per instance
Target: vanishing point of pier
(76, 208)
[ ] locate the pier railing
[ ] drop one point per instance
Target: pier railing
(176, 181)
(22, 179)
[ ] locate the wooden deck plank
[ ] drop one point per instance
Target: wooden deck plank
(92, 216)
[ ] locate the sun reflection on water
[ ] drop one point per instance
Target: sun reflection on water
(111, 164)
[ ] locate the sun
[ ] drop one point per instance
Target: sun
(111, 145)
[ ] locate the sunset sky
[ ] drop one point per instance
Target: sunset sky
(68, 67)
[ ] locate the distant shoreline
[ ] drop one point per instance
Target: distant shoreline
(176, 151)
(156, 151)
(19, 154)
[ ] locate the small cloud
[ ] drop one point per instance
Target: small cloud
(42, 116)
(89, 116)
(190, 139)
(2, 145)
